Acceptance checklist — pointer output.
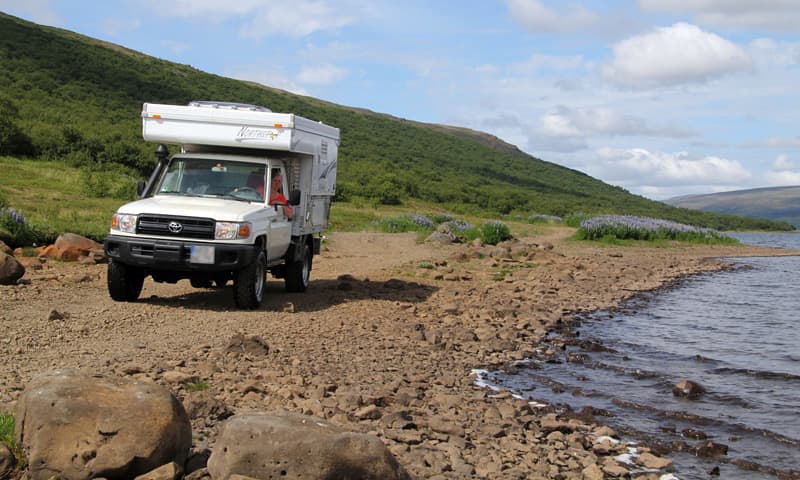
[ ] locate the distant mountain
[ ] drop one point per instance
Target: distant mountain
(775, 203)
(76, 99)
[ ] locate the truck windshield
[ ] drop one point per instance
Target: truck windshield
(204, 177)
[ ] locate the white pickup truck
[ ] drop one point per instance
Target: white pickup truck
(249, 193)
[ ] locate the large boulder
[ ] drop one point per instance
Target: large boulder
(74, 426)
(298, 447)
(10, 269)
(71, 246)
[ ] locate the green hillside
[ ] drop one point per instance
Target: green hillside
(77, 100)
(776, 203)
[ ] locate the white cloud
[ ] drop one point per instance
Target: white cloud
(321, 74)
(638, 166)
(298, 19)
(774, 15)
(537, 17)
(771, 53)
(779, 178)
(271, 78)
(783, 172)
(682, 53)
(782, 162)
(39, 11)
(565, 121)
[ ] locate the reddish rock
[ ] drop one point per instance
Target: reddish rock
(73, 240)
(71, 254)
(50, 251)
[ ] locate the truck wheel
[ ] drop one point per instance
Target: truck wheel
(298, 273)
(248, 286)
(124, 282)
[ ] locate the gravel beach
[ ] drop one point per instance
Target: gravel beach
(384, 342)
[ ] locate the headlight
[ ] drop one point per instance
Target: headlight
(124, 223)
(231, 231)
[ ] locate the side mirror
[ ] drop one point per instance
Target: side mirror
(294, 198)
(140, 187)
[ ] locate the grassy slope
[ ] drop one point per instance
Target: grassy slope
(778, 203)
(79, 101)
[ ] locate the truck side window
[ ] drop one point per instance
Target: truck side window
(276, 196)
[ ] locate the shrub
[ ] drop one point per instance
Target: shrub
(107, 184)
(459, 226)
(490, 233)
(441, 218)
(406, 223)
(494, 232)
(7, 429)
(575, 219)
(628, 227)
(16, 229)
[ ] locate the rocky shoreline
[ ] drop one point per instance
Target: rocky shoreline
(382, 344)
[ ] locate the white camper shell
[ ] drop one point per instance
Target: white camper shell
(208, 214)
(310, 148)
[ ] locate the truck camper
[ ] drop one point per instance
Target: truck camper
(249, 193)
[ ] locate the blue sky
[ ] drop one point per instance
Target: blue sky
(661, 97)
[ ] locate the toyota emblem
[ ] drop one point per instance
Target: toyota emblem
(175, 227)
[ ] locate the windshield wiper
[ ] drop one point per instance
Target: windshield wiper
(226, 196)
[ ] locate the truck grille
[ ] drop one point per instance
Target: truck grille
(202, 228)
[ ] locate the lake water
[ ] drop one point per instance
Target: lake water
(735, 332)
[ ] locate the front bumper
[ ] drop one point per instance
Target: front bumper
(176, 256)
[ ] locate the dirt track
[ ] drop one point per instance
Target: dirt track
(378, 344)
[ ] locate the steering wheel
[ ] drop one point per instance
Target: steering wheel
(245, 189)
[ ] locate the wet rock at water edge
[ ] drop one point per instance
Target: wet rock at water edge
(711, 449)
(694, 434)
(688, 389)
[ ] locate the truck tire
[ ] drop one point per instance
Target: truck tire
(298, 273)
(248, 286)
(124, 282)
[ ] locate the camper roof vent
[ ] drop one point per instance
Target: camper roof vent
(228, 105)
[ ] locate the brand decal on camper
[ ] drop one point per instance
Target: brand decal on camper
(252, 133)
